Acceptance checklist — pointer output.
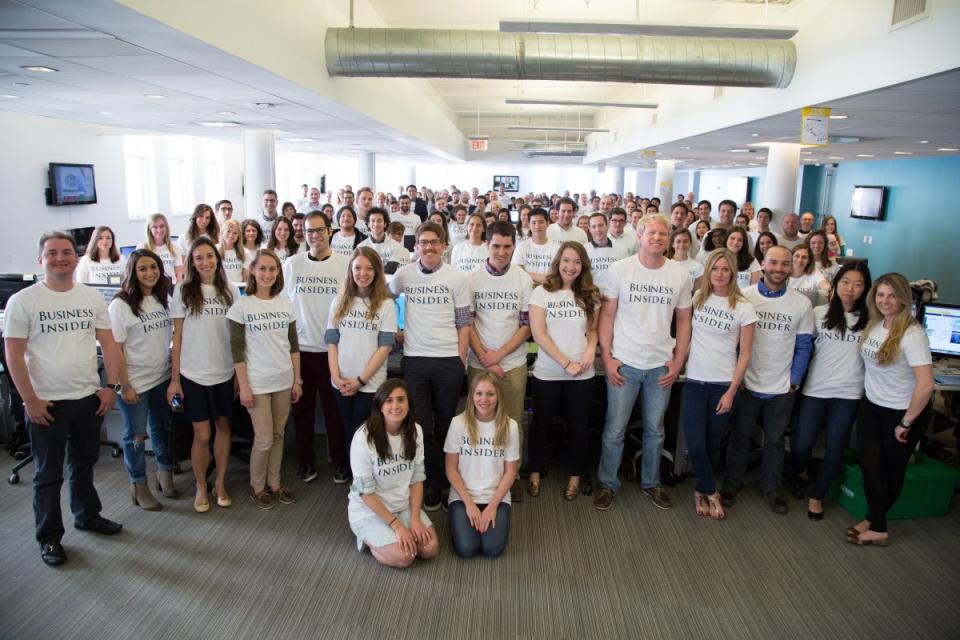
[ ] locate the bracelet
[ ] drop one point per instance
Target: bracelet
(566, 365)
(360, 380)
(300, 382)
(390, 524)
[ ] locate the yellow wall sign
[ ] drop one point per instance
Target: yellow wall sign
(815, 125)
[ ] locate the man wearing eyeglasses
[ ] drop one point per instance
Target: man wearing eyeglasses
(311, 280)
(224, 211)
(436, 334)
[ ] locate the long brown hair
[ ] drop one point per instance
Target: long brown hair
(277, 285)
(744, 257)
(706, 289)
(213, 227)
(377, 293)
(191, 290)
(292, 246)
(901, 322)
(130, 291)
(377, 428)
(501, 420)
(93, 252)
(585, 293)
(824, 260)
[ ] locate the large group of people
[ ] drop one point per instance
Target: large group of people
(757, 321)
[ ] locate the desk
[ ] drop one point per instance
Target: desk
(946, 367)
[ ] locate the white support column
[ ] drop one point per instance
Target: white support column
(618, 179)
(367, 170)
(259, 169)
(409, 177)
(780, 181)
(663, 183)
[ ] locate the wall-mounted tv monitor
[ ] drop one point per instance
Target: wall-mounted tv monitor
(72, 184)
(867, 202)
(510, 183)
(81, 236)
(942, 324)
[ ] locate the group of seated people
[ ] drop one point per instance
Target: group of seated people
(314, 322)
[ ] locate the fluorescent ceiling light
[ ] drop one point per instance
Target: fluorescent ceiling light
(169, 124)
(226, 113)
(836, 157)
(903, 153)
(738, 150)
(297, 139)
(754, 135)
(218, 123)
(948, 149)
(923, 142)
(583, 103)
(9, 96)
(39, 68)
(632, 28)
(865, 155)
(154, 96)
(576, 129)
(839, 116)
(105, 113)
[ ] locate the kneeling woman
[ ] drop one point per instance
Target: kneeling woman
(482, 456)
(386, 457)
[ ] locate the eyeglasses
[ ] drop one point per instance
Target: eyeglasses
(429, 243)
(314, 231)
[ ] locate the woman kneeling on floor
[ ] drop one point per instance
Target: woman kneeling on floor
(482, 456)
(386, 457)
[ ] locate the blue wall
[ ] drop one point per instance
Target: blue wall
(811, 190)
(919, 234)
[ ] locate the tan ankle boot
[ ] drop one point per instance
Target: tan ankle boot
(140, 494)
(165, 482)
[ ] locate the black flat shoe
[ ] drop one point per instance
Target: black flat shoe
(100, 525)
(52, 553)
(813, 515)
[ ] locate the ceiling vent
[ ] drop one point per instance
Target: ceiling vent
(908, 11)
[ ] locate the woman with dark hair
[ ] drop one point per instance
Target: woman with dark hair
(816, 242)
(701, 229)
(386, 498)
(563, 319)
(679, 252)
(523, 222)
(202, 366)
(252, 234)
(834, 383)
(102, 262)
(765, 240)
(288, 210)
(345, 239)
(203, 223)
(829, 226)
(158, 241)
(281, 241)
(472, 252)
(266, 357)
(748, 269)
(805, 279)
(140, 319)
(716, 238)
(898, 385)
(361, 330)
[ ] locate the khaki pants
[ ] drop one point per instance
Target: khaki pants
(269, 416)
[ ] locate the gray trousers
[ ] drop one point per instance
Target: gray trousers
(774, 413)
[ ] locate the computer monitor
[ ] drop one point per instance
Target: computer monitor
(10, 283)
(126, 251)
(108, 291)
(942, 324)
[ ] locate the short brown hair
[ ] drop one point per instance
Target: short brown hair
(432, 227)
(56, 235)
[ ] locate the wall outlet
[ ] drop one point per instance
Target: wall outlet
(849, 253)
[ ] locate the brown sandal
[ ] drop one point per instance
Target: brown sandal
(573, 490)
(716, 507)
(701, 505)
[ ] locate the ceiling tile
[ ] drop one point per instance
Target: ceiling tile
(80, 47)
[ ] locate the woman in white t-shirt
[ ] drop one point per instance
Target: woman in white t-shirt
(563, 319)
(833, 385)
(140, 318)
(360, 333)
(679, 251)
(482, 457)
(523, 222)
(203, 223)
(701, 229)
(805, 279)
(720, 347)
(898, 385)
(102, 262)
(202, 380)
(472, 252)
(346, 238)
(158, 241)
(386, 497)
(282, 241)
(748, 269)
(457, 229)
(235, 259)
(252, 234)
(816, 241)
(266, 357)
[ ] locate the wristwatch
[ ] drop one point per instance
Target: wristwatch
(906, 424)
(117, 388)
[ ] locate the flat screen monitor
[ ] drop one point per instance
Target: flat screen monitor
(942, 324)
(867, 202)
(72, 184)
(81, 236)
(107, 290)
(510, 183)
(10, 283)
(126, 251)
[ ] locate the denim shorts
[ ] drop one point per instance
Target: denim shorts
(375, 532)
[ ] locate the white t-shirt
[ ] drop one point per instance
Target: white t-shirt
(744, 277)
(205, 356)
(233, 266)
(567, 327)
(715, 338)
(892, 385)
(646, 299)
(430, 328)
(498, 302)
(533, 257)
(170, 260)
(266, 332)
(90, 272)
(779, 321)
(627, 240)
(558, 234)
(146, 341)
(466, 257)
(457, 232)
(389, 250)
(693, 267)
(282, 252)
(342, 244)
(358, 338)
(601, 258)
(60, 328)
(783, 241)
(312, 285)
(410, 222)
(808, 284)
(391, 478)
(483, 464)
(836, 369)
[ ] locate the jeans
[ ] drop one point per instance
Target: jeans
(837, 416)
(468, 542)
(776, 418)
(74, 434)
(620, 401)
(703, 429)
(354, 410)
(571, 400)
(152, 411)
(315, 372)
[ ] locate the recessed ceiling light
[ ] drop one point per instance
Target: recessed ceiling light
(923, 142)
(839, 116)
(217, 123)
(903, 153)
(836, 157)
(865, 155)
(39, 68)
(948, 149)
(154, 96)
(809, 159)
(754, 135)
(226, 113)
(169, 124)
(739, 150)
(9, 96)
(684, 147)
(105, 113)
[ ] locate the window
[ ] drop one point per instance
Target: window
(180, 169)
(213, 171)
(139, 161)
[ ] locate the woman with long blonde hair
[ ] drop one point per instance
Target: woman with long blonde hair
(235, 262)
(158, 241)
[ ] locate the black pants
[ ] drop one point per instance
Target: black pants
(434, 385)
(775, 413)
(571, 400)
(74, 435)
(883, 459)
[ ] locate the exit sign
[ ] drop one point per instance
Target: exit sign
(478, 145)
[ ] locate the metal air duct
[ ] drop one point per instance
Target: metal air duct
(492, 55)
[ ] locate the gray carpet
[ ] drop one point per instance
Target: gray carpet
(568, 572)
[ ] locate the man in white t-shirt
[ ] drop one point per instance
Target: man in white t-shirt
(391, 252)
(782, 344)
(364, 203)
(602, 251)
(536, 253)
(435, 338)
(806, 223)
(502, 197)
(303, 199)
(791, 238)
(224, 209)
(618, 232)
(409, 220)
(564, 229)
(642, 294)
(312, 203)
(311, 280)
(764, 217)
(51, 332)
(726, 211)
(269, 214)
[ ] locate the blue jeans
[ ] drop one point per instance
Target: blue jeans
(152, 410)
(837, 415)
(703, 429)
(620, 401)
(468, 542)
(354, 410)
